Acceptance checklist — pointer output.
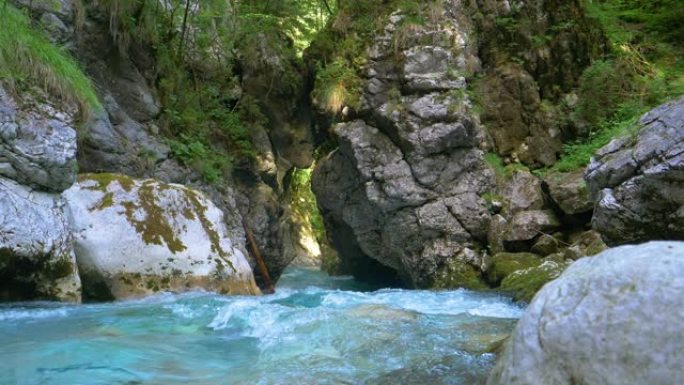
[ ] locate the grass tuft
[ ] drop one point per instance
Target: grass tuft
(645, 68)
(28, 58)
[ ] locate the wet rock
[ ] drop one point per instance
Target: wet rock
(137, 237)
(569, 191)
(457, 272)
(37, 143)
(639, 182)
(36, 247)
(609, 319)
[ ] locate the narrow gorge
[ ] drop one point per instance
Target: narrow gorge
(429, 171)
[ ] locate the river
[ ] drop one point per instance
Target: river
(314, 330)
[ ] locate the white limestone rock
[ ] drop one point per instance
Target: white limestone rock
(136, 237)
(614, 319)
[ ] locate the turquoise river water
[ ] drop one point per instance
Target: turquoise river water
(314, 330)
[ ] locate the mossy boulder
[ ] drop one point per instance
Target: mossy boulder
(136, 237)
(524, 284)
(458, 274)
(505, 264)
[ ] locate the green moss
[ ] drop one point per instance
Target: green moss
(28, 57)
(524, 284)
(103, 180)
(200, 211)
(644, 68)
(457, 274)
(154, 228)
(505, 264)
(61, 268)
(495, 162)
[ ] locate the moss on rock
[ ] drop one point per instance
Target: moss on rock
(505, 264)
(103, 180)
(524, 284)
(457, 274)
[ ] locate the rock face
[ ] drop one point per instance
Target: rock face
(37, 144)
(613, 319)
(136, 237)
(406, 180)
(38, 155)
(639, 182)
(36, 247)
(518, 96)
(409, 185)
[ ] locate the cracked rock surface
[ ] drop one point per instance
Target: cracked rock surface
(638, 182)
(37, 143)
(407, 179)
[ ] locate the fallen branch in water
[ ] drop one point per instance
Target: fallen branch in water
(270, 289)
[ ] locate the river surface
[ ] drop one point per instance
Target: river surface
(314, 330)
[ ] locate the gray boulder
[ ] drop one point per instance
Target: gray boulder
(569, 191)
(137, 237)
(37, 143)
(526, 225)
(522, 191)
(36, 247)
(638, 182)
(613, 319)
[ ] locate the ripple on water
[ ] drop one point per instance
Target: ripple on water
(318, 331)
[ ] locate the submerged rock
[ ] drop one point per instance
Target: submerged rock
(136, 237)
(639, 182)
(36, 247)
(613, 319)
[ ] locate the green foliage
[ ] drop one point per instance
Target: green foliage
(622, 123)
(645, 68)
(495, 162)
(202, 48)
(28, 58)
(337, 85)
(304, 201)
(501, 170)
(339, 52)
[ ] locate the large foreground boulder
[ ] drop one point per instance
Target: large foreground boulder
(36, 248)
(639, 182)
(614, 319)
(136, 237)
